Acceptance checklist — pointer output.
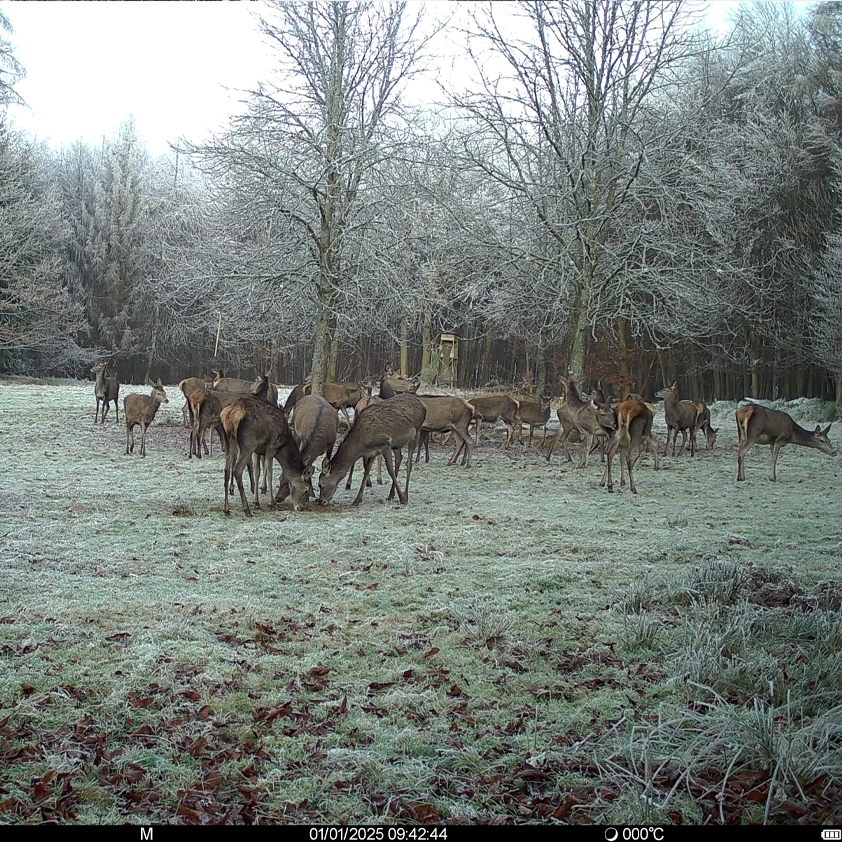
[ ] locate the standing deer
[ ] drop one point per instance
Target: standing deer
(680, 416)
(703, 424)
(447, 414)
(534, 413)
(187, 387)
(234, 384)
(140, 410)
(492, 407)
(106, 389)
(383, 428)
(758, 425)
(634, 431)
(342, 396)
(253, 426)
(581, 415)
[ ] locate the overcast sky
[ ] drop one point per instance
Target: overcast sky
(177, 67)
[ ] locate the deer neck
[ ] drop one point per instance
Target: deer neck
(802, 436)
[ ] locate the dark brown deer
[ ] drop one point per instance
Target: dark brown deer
(680, 416)
(394, 383)
(634, 432)
(534, 413)
(447, 414)
(314, 428)
(490, 408)
(234, 384)
(758, 425)
(383, 428)
(140, 410)
(106, 389)
(253, 426)
(703, 424)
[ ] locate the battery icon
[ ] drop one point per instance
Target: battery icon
(832, 834)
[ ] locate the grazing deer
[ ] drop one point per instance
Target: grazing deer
(369, 400)
(106, 390)
(394, 383)
(580, 415)
(680, 416)
(234, 384)
(703, 424)
(447, 414)
(253, 426)
(140, 410)
(534, 413)
(314, 428)
(383, 428)
(493, 407)
(634, 432)
(758, 425)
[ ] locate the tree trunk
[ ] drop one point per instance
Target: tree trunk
(404, 347)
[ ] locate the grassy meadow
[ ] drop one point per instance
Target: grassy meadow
(515, 645)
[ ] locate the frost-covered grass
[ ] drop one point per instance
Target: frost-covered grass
(515, 644)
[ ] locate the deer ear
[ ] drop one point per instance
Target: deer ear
(817, 430)
(389, 369)
(308, 472)
(827, 431)
(326, 467)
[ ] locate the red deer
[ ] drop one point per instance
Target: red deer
(140, 410)
(634, 432)
(187, 387)
(492, 407)
(394, 383)
(339, 395)
(534, 413)
(314, 428)
(253, 426)
(205, 405)
(366, 402)
(581, 415)
(383, 428)
(758, 425)
(444, 414)
(234, 384)
(106, 389)
(703, 424)
(680, 416)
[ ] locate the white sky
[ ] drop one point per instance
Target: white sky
(90, 65)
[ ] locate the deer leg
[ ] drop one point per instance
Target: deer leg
(397, 455)
(380, 469)
(96, 411)
(586, 450)
(408, 472)
(630, 463)
(129, 435)
(776, 449)
(350, 477)
(142, 440)
(367, 460)
(253, 466)
(553, 441)
(104, 411)
(427, 448)
(743, 449)
(387, 455)
(238, 475)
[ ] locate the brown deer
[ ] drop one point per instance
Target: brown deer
(634, 432)
(106, 389)
(187, 387)
(534, 413)
(253, 426)
(314, 428)
(758, 425)
(208, 403)
(445, 414)
(233, 384)
(342, 396)
(680, 416)
(703, 424)
(394, 383)
(490, 408)
(383, 428)
(140, 410)
(582, 416)
(369, 400)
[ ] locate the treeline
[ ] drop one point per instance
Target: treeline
(618, 194)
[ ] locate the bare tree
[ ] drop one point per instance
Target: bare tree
(560, 121)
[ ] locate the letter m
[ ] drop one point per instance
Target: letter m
(146, 834)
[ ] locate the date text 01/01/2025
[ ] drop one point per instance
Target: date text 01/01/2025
(378, 834)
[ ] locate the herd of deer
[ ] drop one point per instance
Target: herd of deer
(250, 425)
